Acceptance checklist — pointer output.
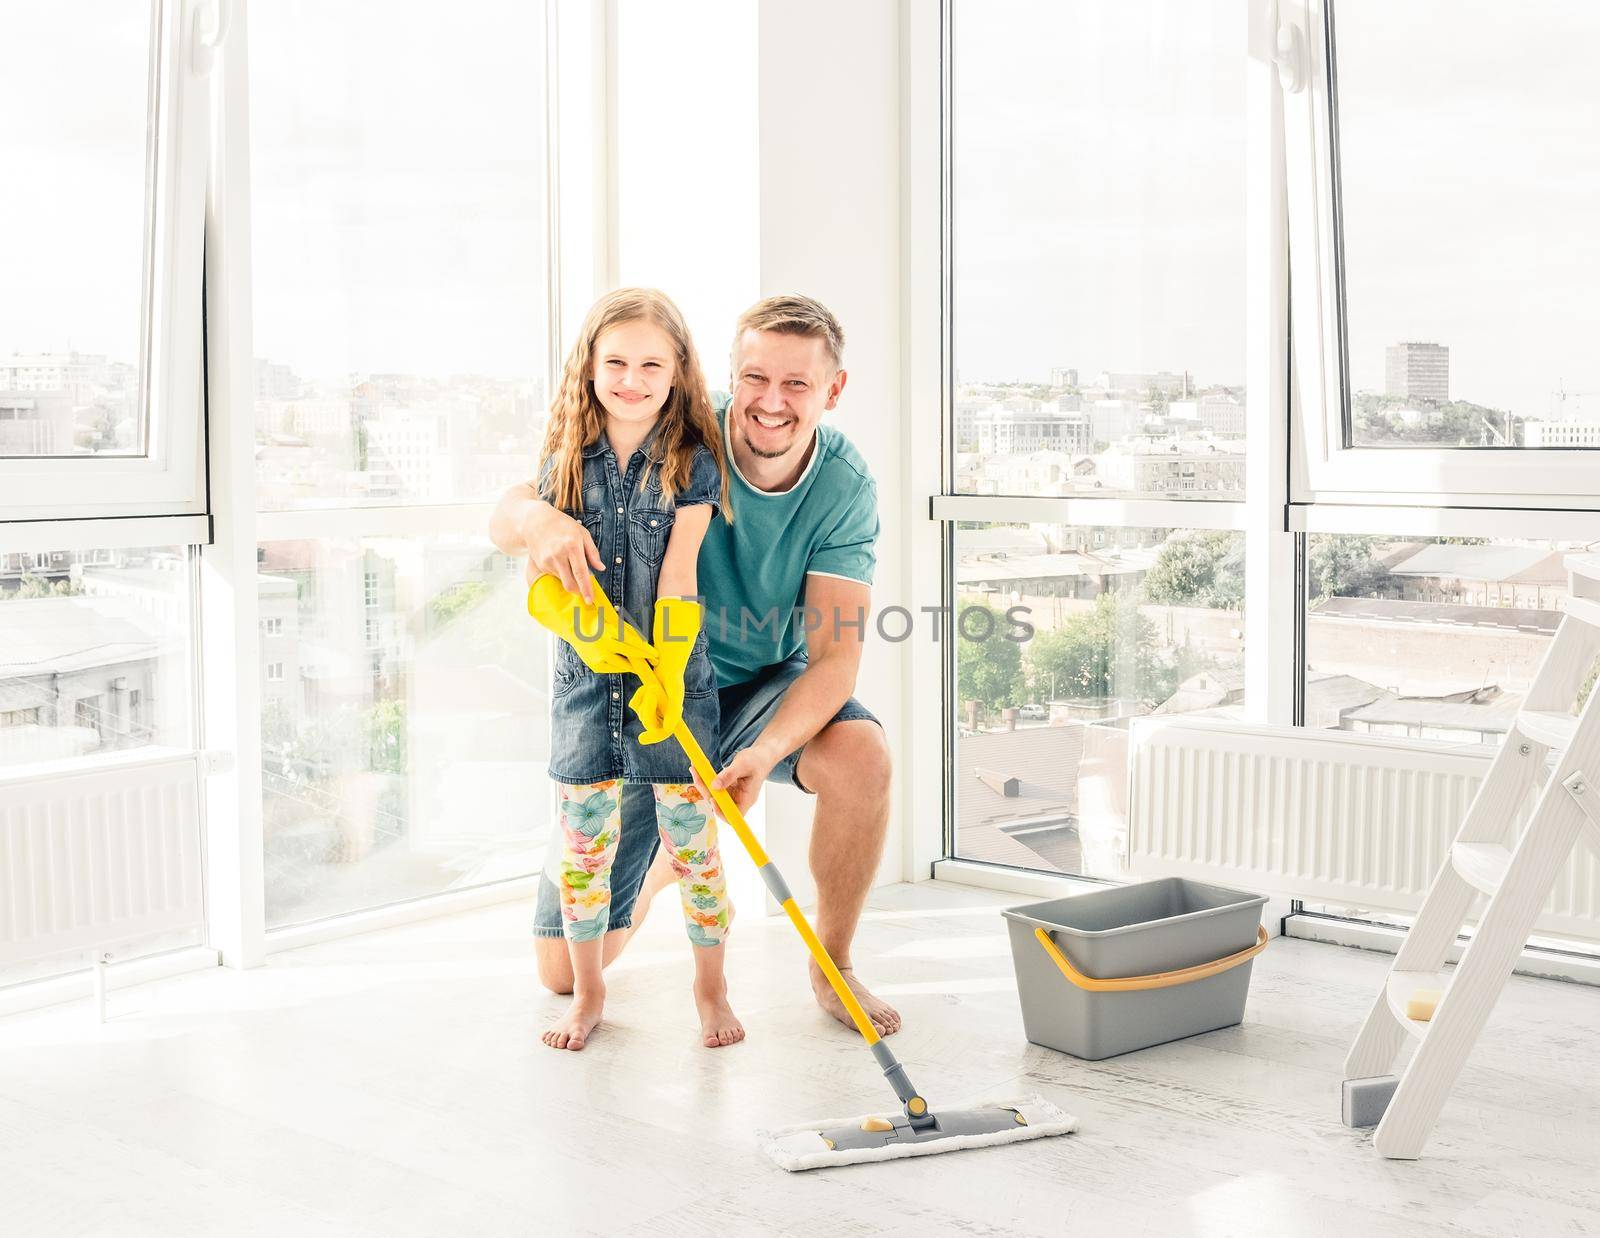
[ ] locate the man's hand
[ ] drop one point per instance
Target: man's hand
(742, 777)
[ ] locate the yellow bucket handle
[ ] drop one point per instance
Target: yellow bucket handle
(1160, 980)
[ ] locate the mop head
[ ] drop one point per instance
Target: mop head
(852, 1141)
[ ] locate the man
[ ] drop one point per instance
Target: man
(803, 536)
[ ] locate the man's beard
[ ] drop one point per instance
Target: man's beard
(766, 455)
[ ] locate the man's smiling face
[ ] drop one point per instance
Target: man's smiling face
(782, 384)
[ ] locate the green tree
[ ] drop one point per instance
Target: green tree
(1102, 653)
(1341, 565)
(989, 671)
(386, 734)
(1199, 568)
(456, 600)
(31, 586)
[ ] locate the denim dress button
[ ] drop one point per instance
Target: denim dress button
(593, 735)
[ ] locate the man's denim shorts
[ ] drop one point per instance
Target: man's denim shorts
(746, 709)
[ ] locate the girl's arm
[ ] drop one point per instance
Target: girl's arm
(679, 577)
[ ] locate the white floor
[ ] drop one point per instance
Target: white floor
(392, 1084)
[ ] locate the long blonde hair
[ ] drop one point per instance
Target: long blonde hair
(577, 419)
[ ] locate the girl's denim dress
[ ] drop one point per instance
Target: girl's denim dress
(594, 736)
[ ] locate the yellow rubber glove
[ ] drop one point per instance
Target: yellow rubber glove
(677, 625)
(577, 622)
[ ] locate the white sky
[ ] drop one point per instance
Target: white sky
(396, 175)
(73, 144)
(1100, 209)
(1100, 213)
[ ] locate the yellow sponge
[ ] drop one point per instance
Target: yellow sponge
(1422, 1004)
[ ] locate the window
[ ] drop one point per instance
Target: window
(412, 767)
(71, 327)
(1098, 245)
(100, 326)
(1442, 314)
(1063, 636)
(402, 736)
(1433, 638)
(94, 654)
(415, 374)
(272, 627)
(1097, 409)
(1469, 313)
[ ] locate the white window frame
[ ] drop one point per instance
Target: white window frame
(1325, 470)
(168, 478)
(1270, 546)
(579, 177)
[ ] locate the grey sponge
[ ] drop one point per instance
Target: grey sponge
(1364, 1100)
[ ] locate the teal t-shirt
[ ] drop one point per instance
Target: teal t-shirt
(753, 572)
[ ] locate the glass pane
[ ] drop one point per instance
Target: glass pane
(397, 199)
(1470, 179)
(1433, 638)
(94, 653)
(404, 722)
(74, 135)
(1099, 228)
(1114, 624)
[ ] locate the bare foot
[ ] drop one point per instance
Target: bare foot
(885, 1018)
(719, 1026)
(571, 1030)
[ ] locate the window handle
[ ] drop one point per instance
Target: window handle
(1290, 57)
(204, 43)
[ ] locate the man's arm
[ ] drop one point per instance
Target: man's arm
(524, 524)
(834, 650)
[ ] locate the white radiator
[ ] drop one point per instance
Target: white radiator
(96, 859)
(1323, 816)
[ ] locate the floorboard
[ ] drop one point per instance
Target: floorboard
(393, 1084)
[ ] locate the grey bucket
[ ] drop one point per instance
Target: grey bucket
(1142, 930)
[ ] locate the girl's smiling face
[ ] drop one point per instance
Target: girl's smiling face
(634, 369)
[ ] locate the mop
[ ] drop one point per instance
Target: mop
(916, 1130)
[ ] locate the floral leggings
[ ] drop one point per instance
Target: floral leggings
(591, 826)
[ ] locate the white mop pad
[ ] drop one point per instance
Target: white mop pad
(801, 1147)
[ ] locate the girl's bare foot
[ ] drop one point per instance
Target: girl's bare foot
(718, 1024)
(571, 1030)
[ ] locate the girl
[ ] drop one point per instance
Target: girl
(633, 451)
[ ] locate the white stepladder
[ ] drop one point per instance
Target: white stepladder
(1517, 874)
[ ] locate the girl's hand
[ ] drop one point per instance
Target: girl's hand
(560, 546)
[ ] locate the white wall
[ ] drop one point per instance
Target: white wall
(794, 114)
(685, 143)
(830, 228)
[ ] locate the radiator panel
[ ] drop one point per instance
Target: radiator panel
(90, 860)
(1324, 816)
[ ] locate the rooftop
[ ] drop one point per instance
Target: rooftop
(1044, 762)
(53, 635)
(1505, 564)
(1507, 618)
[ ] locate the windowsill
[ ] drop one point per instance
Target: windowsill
(95, 763)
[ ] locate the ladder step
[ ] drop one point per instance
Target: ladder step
(1545, 726)
(1402, 984)
(1481, 865)
(1585, 610)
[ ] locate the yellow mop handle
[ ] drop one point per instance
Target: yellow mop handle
(731, 814)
